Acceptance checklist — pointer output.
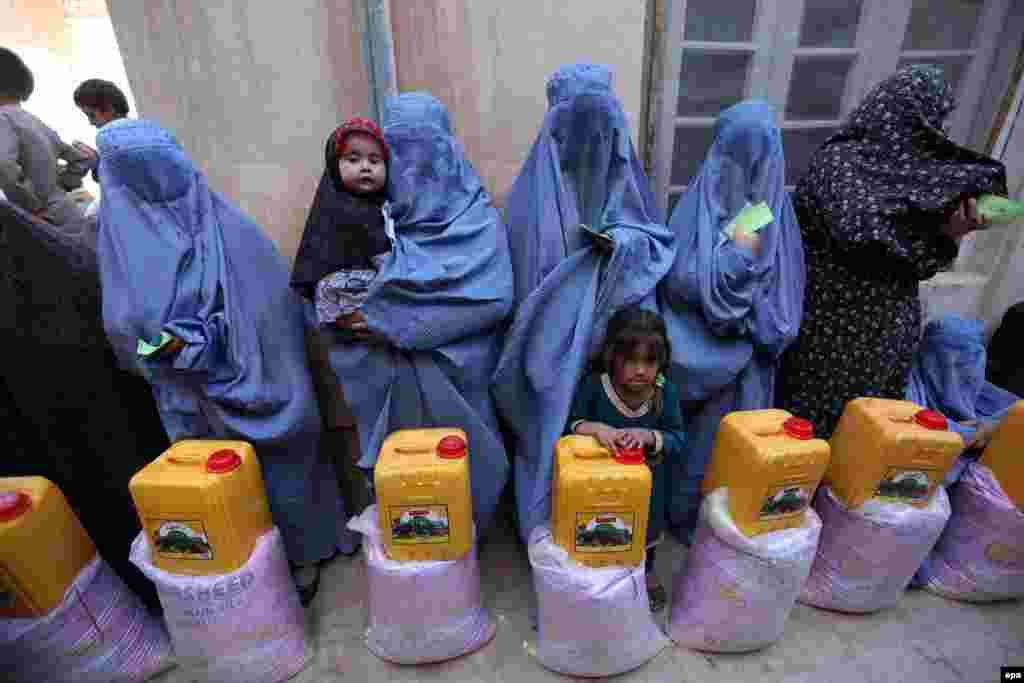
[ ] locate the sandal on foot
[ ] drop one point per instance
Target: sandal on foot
(657, 597)
(307, 582)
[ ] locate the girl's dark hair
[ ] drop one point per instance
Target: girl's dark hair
(630, 327)
(331, 161)
(100, 94)
(16, 80)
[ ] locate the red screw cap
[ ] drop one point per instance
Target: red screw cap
(930, 419)
(13, 504)
(223, 461)
(630, 456)
(451, 448)
(798, 428)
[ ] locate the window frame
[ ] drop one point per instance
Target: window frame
(877, 51)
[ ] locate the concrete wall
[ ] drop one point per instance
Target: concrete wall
(251, 89)
(488, 61)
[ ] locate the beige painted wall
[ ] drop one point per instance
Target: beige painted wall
(488, 61)
(251, 89)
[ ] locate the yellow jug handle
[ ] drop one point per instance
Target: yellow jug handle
(191, 458)
(594, 453)
(411, 450)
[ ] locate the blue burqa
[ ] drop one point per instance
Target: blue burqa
(438, 301)
(582, 169)
(175, 256)
(730, 314)
(948, 375)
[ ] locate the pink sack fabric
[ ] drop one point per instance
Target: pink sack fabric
(734, 593)
(420, 612)
(980, 556)
(867, 556)
(242, 627)
(592, 622)
(100, 633)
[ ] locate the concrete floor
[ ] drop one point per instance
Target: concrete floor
(924, 638)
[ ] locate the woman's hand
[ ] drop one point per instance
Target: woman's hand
(982, 435)
(964, 221)
(173, 348)
(751, 241)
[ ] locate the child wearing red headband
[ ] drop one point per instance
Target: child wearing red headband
(345, 241)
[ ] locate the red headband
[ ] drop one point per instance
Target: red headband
(358, 125)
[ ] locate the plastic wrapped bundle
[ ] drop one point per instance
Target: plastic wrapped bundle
(867, 556)
(420, 612)
(100, 633)
(980, 555)
(592, 622)
(243, 627)
(734, 593)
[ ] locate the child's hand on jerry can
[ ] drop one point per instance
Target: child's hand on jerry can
(634, 438)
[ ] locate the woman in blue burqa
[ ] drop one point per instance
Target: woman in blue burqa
(582, 171)
(185, 271)
(732, 305)
(427, 338)
(948, 375)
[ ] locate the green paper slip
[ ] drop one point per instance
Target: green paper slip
(1000, 210)
(750, 220)
(144, 348)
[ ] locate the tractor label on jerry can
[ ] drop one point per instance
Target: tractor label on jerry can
(604, 532)
(785, 500)
(419, 524)
(180, 539)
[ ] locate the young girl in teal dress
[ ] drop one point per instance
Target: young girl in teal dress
(628, 403)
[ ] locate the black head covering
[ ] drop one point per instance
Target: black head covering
(890, 178)
(343, 231)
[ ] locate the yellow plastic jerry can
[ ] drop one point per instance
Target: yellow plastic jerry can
(894, 450)
(1004, 455)
(771, 464)
(423, 495)
(202, 506)
(600, 503)
(43, 547)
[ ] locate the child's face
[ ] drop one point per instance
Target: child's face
(361, 164)
(636, 371)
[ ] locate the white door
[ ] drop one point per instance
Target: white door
(813, 60)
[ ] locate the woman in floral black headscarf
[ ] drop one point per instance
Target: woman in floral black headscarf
(882, 207)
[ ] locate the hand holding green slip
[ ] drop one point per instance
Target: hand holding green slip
(751, 220)
(1000, 210)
